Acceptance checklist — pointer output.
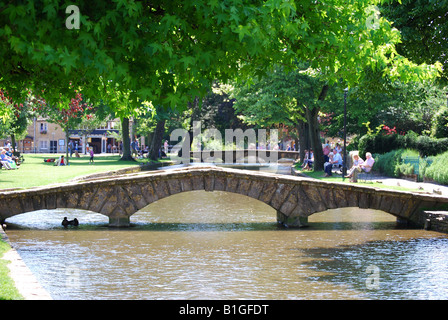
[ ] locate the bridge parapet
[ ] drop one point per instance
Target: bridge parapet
(294, 198)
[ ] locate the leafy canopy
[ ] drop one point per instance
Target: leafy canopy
(168, 52)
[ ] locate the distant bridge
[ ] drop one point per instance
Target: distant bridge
(294, 198)
(234, 156)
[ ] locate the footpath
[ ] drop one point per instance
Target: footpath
(426, 187)
(422, 186)
(24, 279)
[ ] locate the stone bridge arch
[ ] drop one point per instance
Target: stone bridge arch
(294, 198)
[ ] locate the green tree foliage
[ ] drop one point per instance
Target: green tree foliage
(216, 109)
(17, 117)
(424, 28)
(290, 99)
(168, 52)
(405, 106)
(440, 127)
(383, 143)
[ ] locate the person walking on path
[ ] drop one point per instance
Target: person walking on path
(91, 155)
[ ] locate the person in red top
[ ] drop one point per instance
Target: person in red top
(60, 161)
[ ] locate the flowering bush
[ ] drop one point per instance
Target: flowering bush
(388, 130)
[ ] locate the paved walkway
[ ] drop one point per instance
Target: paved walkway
(423, 186)
(24, 279)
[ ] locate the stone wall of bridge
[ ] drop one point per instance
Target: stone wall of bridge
(294, 198)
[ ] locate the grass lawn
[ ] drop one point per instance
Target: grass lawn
(8, 291)
(35, 172)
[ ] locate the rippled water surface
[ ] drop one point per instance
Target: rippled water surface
(217, 245)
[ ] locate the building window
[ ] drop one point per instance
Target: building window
(44, 145)
(43, 128)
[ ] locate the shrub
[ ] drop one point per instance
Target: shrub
(381, 144)
(404, 169)
(427, 146)
(440, 125)
(391, 163)
(438, 170)
(388, 162)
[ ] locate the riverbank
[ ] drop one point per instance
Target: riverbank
(26, 285)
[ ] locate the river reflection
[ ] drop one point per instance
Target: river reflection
(217, 245)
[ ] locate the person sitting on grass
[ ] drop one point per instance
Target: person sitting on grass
(308, 162)
(8, 162)
(12, 156)
(337, 160)
(328, 162)
(60, 161)
(305, 158)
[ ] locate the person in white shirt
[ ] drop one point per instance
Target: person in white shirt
(365, 166)
(368, 164)
(337, 160)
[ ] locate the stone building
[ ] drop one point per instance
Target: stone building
(47, 137)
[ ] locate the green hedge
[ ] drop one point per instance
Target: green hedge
(381, 144)
(438, 170)
(392, 164)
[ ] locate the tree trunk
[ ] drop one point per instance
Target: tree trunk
(156, 142)
(313, 125)
(13, 143)
(67, 138)
(126, 141)
(302, 128)
(194, 115)
(314, 132)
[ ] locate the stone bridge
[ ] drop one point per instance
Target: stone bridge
(233, 156)
(294, 198)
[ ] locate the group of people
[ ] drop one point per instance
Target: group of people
(333, 158)
(8, 159)
(308, 160)
(62, 161)
(360, 165)
(137, 150)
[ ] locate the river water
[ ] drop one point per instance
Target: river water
(218, 245)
